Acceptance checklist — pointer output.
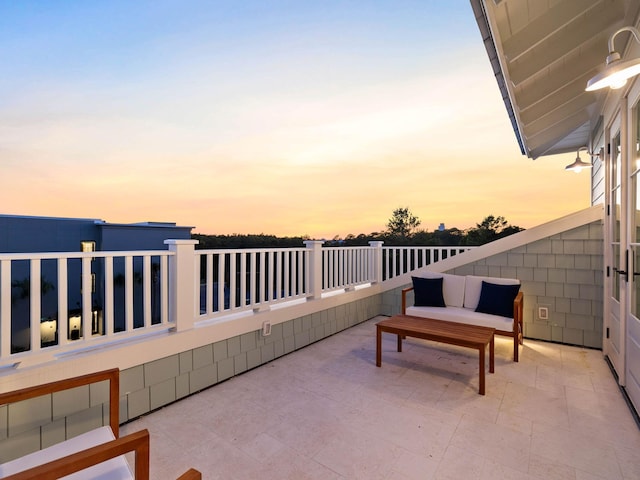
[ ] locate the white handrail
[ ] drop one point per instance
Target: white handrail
(45, 298)
(69, 300)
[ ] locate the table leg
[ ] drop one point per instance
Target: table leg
(378, 346)
(491, 356)
(481, 355)
(399, 342)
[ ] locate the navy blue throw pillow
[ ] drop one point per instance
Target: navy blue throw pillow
(428, 292)
(497, 299)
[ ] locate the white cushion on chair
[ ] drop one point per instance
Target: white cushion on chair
(463, 315)
(114, 469)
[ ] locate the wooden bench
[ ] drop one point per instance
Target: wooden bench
(462, 295)
(471, 336)
(98, 453)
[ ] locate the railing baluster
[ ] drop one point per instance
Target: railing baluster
(303, 272)
(63, 317)
(287, 276)
(146, 284)
(164, 288)
(128, 286)
(86, 298)
(253, 279)
(271, 287)
(5, 308)
(279, 265)
(35, 304)
(243, 279)
(221, 271)
(232, 280)
(208, 304)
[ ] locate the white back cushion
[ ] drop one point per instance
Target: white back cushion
(473, 287)
(452, 287)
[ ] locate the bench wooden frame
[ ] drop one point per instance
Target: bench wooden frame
(471, 336)
(137, 442)
(518, 321)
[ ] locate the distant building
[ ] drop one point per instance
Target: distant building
(441, 227)
(19, 234)
(26, 234)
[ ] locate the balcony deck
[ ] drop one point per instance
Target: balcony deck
(327, 412)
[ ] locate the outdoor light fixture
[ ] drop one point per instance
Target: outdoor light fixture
(578, 164)
(616, 72)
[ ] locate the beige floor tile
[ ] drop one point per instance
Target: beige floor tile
(495, 470)
(546, 469)
(410, 466)
(628, 456)
(496, 443)
(574, 449)
(537, 405)
(354, 455)
(520, 424)
(290, 465)
(327, 412)
(459, 464)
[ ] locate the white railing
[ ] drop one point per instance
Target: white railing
(46, 297)
(347, 267)
(401, 260)
(249, 279)
(59, 299)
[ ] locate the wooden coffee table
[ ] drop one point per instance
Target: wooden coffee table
(453, 333)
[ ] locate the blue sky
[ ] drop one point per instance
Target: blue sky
(289, 118)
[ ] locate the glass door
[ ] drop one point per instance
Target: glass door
(632, 374)
(617, 255)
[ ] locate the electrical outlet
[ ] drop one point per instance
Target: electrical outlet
(266, 328)
(543, 313)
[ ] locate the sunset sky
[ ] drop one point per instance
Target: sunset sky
(278, 117)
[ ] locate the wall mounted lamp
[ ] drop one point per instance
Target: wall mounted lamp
(578, 164)
(616, 72)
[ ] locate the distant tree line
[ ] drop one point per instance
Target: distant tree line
(238, 241)
(402, 229)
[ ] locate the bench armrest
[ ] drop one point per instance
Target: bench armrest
(518, 312)
(137, 442)
(404, 299)
(112, 375)
(191, 474)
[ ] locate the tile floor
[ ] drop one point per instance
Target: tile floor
(327, 412)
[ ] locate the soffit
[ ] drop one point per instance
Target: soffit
(543, 52)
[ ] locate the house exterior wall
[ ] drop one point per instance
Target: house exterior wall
(562, 272)
(19, 234)
(147, 236)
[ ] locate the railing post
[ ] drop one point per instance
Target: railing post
(182, 283)
(377, 260)
(315, 268)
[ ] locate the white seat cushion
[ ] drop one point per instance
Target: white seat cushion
(463, 315)
(114, 469)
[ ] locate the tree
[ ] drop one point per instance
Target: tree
(490, 229)
(402, 223)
